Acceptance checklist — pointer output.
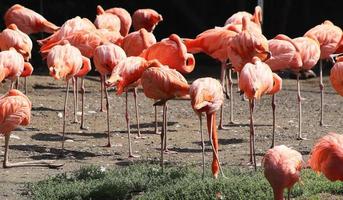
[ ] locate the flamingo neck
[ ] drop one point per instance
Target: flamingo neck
(212, 127)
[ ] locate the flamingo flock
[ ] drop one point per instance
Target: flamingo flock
(127, 60)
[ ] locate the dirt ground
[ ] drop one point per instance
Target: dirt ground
(42, 139)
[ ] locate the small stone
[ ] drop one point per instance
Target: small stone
(92, 112)
(60, 115)
(69, 140)
(15, 137)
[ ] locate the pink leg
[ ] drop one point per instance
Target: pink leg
(156, 123)
(65, 115)
(137, 112)
(108, 119)
(74, 81)
(252, 134)
(102, 83)
(25, 85)
(131, 155)
(300, 113)
(83, 91)
(273, 107)
(222, 80)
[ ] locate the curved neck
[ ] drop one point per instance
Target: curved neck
(28, 69)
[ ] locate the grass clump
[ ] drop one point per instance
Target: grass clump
(142, 181)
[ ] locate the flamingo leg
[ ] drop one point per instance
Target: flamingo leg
(65, 115)
(321, 87)
(127, 117)
(25, 85)
(300, 112)
(102, 83)
(17, 84)
(230, 83)
(252, 133)
(273, 107)
(137, 112)
(12, 85)
(74, 81)
(156, 123)
(41, 163)
(202, 147)
(222, 80)
(108, 118)
(83, 91)
(289, 194)
(162, 136)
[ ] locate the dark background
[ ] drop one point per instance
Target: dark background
(188, 18)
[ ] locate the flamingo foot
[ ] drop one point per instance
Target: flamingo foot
(134, 156)
(84, 127)
(140, 137)
(103, 110)
(167, 151)
(222, 127)
(108, 145)
(157, 132)
(301, 138)
(324, 125)
(75, 121)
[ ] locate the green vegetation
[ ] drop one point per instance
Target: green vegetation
(143, 181)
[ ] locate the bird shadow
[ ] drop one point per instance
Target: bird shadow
(52, 153)
(41, 108)
(247, 125)
(94, 135)
(49, 86)
(48, 137)
(152, 124)
(188, 150)
(26, 129)
(223, 141)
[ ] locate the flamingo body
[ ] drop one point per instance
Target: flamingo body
(135, 42)
(146, 18)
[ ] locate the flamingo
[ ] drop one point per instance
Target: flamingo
(173, 53)
(28, 20)
(327, 156)
(335, 75)
(207, 96)
(12, 66)
(124, 16)
(215, 43)
(106, 57)
(13, 37)
(68, 28)
(105, 20)
(135, 42)
(146, 18)
(282, 167)
(15, 110)
(237, 18)
(257, 79)
(285, 55)
(163, 84)
(125, 76)
(66, 62)
(329, 36)
(309, 50)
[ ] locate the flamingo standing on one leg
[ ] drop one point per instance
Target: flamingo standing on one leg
(328, 35)
(282, 167)
(257, 79)
(285, 55)
(163, 84)
(327, 156)
(28, 20)
(309, 50)
(207, 96)
(106, 57)
(13, 37)
(15, 110)
(146, 18)
(125, 76)
(12, 66)
(65, 62)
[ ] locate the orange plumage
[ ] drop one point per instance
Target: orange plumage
(327, 156)
(146, 18)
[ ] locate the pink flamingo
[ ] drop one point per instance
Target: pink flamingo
(257, 79)
(28, 20)
(125, 76)
(15, 110)
(106, 57)
(65, 62)
(207, 96)
(13, 37)
(329, 36)
(146, 18)
(163, 84)
(282, 167)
